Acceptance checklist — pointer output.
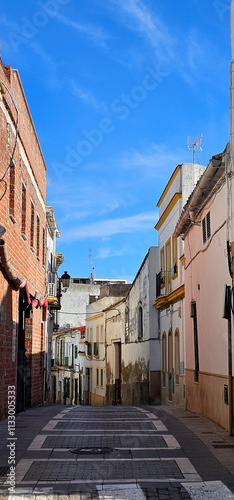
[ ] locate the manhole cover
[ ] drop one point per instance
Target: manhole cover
(92, 451)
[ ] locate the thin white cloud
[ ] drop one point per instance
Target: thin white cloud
(95, 33)
(88, 98)
(154, 161)
(149, 25)
(125, 225)
(106, 252)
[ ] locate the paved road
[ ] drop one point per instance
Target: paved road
(110, 453)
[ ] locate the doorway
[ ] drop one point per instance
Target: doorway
(118, 374)
(170, 365)
(21, 358)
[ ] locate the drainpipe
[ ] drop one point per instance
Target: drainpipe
(15, 281)
(230, 189)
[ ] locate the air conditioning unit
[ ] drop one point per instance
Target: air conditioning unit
(51, 290)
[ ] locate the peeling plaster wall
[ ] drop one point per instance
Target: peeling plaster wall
(74, 302)
(140, 357)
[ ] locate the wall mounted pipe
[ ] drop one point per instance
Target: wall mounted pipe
(16, 282)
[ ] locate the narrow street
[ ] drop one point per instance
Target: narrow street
(127, 453)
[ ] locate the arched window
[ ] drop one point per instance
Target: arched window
(177, 356)
(140, 322)
(164, 358)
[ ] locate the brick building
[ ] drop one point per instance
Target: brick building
(23, 307)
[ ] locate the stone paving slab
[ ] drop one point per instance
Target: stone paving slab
(116, 441)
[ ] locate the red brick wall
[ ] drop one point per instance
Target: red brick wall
(23, 258)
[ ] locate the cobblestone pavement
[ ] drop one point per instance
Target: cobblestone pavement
(116, 453)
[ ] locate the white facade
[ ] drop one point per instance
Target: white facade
(53, 261)
(68, 371)
(140, 343)
(99, 314)
(170, 282)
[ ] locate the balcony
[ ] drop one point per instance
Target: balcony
(164, 295)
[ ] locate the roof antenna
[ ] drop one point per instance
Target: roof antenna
(90, 261)
(194, 143)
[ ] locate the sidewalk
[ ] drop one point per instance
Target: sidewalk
(127, 453)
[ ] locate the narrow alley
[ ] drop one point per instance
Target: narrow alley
(127, 453)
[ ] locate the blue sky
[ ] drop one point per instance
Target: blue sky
(115, 87)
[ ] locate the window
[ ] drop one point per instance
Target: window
(101, 338)
(76, 351)
(23, 210)
(193, 314)
(177, 356)
(162, 263)
(43, 247)
(164, 357)
(174, 269)
(95, 341)
(32, 225)
(126, 324)
(206, 230)
(168, 266)
(90, 339)
(140, 322)
(72, 355)
(62, 352)
(12, 191)
(97, 377)
(38, 236)
(101, 377)
(95, 349)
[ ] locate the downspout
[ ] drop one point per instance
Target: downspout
(230, 321)
(19, 282)
(15, 282)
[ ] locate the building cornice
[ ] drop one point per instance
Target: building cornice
(96, 316)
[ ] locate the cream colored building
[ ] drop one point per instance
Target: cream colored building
(98, 316)
(170, 283)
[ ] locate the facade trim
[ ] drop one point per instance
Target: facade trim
(169, 184)
(95, 317)
(168, 210)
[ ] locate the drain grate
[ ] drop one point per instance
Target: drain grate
(92, 451)
(4, 471)
(207, 432)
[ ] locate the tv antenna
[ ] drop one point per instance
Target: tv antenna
(194, 143)
(90, 261)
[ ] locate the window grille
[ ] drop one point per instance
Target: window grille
(206, 228)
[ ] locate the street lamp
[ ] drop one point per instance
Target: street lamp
(65, 278)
